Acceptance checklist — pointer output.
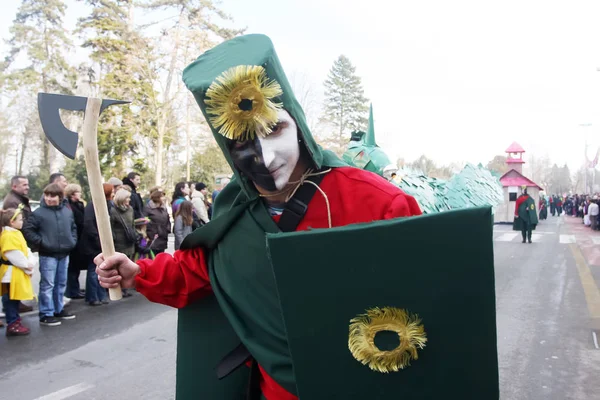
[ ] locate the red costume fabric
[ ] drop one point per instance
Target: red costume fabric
(354, 196)
(520, 201)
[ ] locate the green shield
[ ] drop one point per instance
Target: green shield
(439, 267)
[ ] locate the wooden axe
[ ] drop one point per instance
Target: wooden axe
(66, 140)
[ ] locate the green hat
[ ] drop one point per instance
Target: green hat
(364, 153)
(393, 319)
(240, 85)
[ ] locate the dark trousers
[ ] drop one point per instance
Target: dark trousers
(73, 289)
(594, 222)
(526, 230)
(11, 308)
(93, 290)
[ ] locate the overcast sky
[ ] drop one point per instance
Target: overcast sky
(456, 80)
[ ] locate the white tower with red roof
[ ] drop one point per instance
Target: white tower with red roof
(513, 183)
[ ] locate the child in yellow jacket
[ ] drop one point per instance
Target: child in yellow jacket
(15, 270)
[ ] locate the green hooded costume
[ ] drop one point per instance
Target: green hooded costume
(526, 213)
(243, 243)
(239, 217)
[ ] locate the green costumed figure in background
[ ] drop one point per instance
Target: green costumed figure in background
(525, 215)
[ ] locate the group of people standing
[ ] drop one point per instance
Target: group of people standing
(51, 231)
(63, 230)
(585, 207)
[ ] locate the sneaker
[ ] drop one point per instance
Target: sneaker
(23, 308)
(49, 321)
(64, 315)
(16, 329)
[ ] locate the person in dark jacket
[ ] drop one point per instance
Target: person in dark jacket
(123, 229)
(160, 223)
(90, 247)
(51, 230)
(19, 189)
(76, 262)
(133, 181)
(181, 193)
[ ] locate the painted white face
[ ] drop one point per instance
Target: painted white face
(281, 150)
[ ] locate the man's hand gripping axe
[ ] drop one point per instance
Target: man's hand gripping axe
(66, 142)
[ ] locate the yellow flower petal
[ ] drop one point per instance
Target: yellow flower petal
(240, 103)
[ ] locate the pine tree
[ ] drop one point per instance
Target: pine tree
(345, 104)
(39, 38)
(124, 70)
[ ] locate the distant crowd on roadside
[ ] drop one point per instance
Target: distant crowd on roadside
(584, 206)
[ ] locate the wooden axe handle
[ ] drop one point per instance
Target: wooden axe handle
(92, 163)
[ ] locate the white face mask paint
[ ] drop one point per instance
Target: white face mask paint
(281, 149)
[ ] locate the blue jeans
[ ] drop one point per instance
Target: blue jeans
(93, 290)
(11, 308)
(53, 282)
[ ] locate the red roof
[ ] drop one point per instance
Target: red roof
(515, 161)
(514, 148)
(514, 178)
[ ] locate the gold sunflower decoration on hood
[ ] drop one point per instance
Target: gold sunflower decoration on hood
(364, 327)
(240, 102)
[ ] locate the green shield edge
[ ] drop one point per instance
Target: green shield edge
(438, 266)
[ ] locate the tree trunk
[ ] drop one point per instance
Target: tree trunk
(46, 148)
(188, 146)
(23, 149)
(166, 104)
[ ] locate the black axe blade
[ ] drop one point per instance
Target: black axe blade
(62, 138)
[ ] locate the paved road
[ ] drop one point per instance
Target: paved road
(545, 343)
(127, 349)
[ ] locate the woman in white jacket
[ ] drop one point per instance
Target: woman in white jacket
(199, 202)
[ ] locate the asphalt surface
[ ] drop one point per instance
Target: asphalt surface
(545, 343)
(127, 349)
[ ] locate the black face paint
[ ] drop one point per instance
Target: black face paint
(248, 158)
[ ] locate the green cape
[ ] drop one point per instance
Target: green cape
(526, 212)
(236, 250)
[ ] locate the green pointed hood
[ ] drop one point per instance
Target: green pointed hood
(252, 51)
(370, 136)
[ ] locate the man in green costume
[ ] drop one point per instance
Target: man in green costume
(221, 279)
(525, 215)
(232, 338)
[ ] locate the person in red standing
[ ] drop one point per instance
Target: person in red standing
(283, 181)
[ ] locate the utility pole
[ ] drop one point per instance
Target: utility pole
(585, 168)
(586, 161)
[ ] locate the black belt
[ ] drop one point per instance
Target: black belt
(294, 211)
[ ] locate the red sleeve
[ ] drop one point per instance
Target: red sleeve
(176, 280)
(520, 201)
(402, 205)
